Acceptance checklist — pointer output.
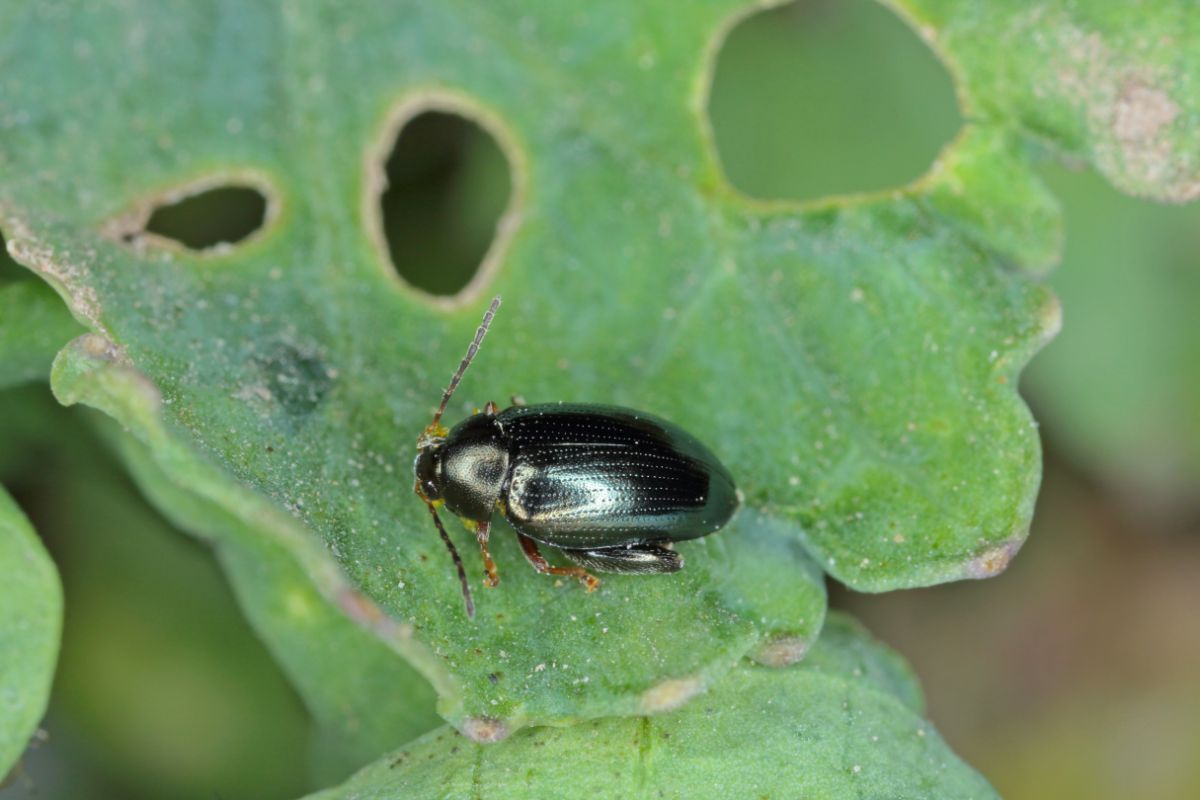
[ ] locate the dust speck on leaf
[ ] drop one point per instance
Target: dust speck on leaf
(670, 694)
(992, 562)
(485, 730)
(781, 651)
(98, 347)
(1051, 318)
(359, 608)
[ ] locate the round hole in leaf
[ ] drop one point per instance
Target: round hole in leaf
(828, 97)
(448, 184)
(219, 216)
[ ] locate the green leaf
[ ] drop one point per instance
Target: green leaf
(91, 367)
(844, 324)
(1113, 394)
(1103, 81)
(854, 362)
(843, 723)
(363, 698)
(30, 624)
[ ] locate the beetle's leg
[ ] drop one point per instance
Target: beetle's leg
(516, 399)
(637, 559)
(530, 548)
(490, 409)
(482, 531)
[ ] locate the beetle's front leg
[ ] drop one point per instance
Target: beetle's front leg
(530, 548)
(482, 531)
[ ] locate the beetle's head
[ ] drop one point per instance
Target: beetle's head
(427, 469)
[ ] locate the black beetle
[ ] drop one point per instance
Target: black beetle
(609, 487)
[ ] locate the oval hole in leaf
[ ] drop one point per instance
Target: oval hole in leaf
(223, 215)
(827, 97)
(448, 185)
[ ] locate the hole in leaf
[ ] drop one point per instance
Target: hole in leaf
(221, 216)
(827, 97)
(448, 185)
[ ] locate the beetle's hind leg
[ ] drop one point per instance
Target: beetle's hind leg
(634, 559)
(530, 548)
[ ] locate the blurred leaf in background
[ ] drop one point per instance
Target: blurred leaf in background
(30, 623)
(11, 271)
(162, 689)
(1119, 390)
(36, 324)
(1087, 684)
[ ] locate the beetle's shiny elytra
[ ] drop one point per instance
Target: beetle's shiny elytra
(610, 488)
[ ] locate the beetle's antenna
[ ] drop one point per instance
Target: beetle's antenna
(467, 359)
(458, 564)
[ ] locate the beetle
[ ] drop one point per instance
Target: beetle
(610, 488)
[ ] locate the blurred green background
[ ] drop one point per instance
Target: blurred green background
(1075, 674)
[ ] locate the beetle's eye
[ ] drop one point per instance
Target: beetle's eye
(427, 469)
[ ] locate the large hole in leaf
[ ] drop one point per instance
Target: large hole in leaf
(827, 97)
(221, 216)
(448, 184)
